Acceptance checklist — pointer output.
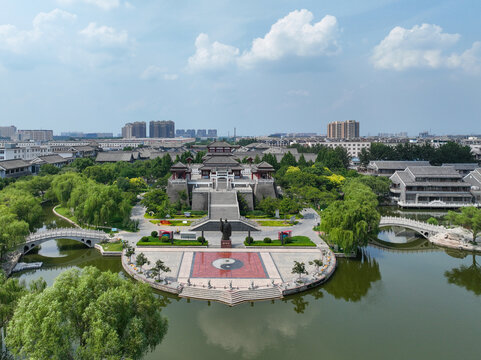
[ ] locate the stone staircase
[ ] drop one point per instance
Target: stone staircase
(223, 204)
(231, 297)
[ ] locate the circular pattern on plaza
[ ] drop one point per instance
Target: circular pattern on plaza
(227, 264)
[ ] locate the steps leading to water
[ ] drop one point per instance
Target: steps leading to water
(231, 297)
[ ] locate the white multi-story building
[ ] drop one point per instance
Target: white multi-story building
(353, 148)
(14, 152)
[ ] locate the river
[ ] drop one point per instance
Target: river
(387, 304)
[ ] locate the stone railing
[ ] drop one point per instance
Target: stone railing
(67, 233)
(395, 220)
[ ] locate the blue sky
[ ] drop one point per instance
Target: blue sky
(260, 66)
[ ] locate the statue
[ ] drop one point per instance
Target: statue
(226, 229)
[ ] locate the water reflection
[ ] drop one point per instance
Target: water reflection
(468, 277)
(353, 278)
(249, 331)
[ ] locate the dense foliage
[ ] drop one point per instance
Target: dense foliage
(469, 218)
(87, 314)
(450, 152)
(350, 222)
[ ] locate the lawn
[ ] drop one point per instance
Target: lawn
(66, 212)
(112, 246)
(296, 241)
(275, 223)
(172, 222)
(155, 242)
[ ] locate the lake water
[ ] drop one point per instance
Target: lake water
(407, 301)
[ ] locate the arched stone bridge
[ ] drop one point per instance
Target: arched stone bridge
(423, 228)
(87, 237)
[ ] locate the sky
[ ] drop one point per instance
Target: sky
(261, 66)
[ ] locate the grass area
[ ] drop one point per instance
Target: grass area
(260, 215)
(296, 241)
(275, 223)
(112, 246)
(173, 222)
(66, 212)
(180, 216)
(177, 242)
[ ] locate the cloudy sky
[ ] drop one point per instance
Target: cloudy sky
(261, 66)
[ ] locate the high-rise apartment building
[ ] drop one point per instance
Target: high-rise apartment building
(343, 129)
(201, 133)
(8, 132)
(212, 133)
(137, 130)
(162, 129)
(36, 135)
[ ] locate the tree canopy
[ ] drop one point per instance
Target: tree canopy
(87, 314)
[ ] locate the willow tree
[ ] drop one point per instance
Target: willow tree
(87, 314)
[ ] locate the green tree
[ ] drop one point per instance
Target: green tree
(129, 252)
(350, 222)
(24, 205)
(469, 218)
(468, 277)
(317, 263)
(433, 221)
(288, 160)
(302, 163)
(269, 205)
(87, 314)
(48, 169)
(159, 268)
(141, 260)
(299, 268)
(243, 205)
(12, 230)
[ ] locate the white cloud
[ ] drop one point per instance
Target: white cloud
(294, 35)
(211, 55)
(45, 26)
(155, 73)
(104, 36)
(103, 4)
(423, 46)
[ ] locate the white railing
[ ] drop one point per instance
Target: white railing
(394, 220)
(67, 232)
(177, 181)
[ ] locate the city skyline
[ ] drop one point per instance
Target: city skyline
(260, 67)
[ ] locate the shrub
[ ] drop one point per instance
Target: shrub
(145, 239)
(287, 240)
(165, 239)
(154, 234)
(267, 240)
(201, 239)
(433, 221)
(249, 240)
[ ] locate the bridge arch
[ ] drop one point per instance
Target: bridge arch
(86, 237)
(424, 229)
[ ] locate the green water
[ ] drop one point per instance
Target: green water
(384, 305)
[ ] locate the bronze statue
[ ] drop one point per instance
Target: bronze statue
(226, 229)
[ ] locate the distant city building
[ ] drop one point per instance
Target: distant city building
(353, 148)
(212, 133)
(402, 134)
(35, 135)
(14, 152)
(424, 134)
(162, 129)
(201, 133)
(180, 133)
(343, 129)
(8, 132)
(190, 133)
(81, 135)
(137, 130)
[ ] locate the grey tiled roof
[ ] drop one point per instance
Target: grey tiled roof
(13, 164)
(396, 165)
(114, 156)
(443, 171)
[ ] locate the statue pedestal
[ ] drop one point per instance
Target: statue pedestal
(226, 244)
